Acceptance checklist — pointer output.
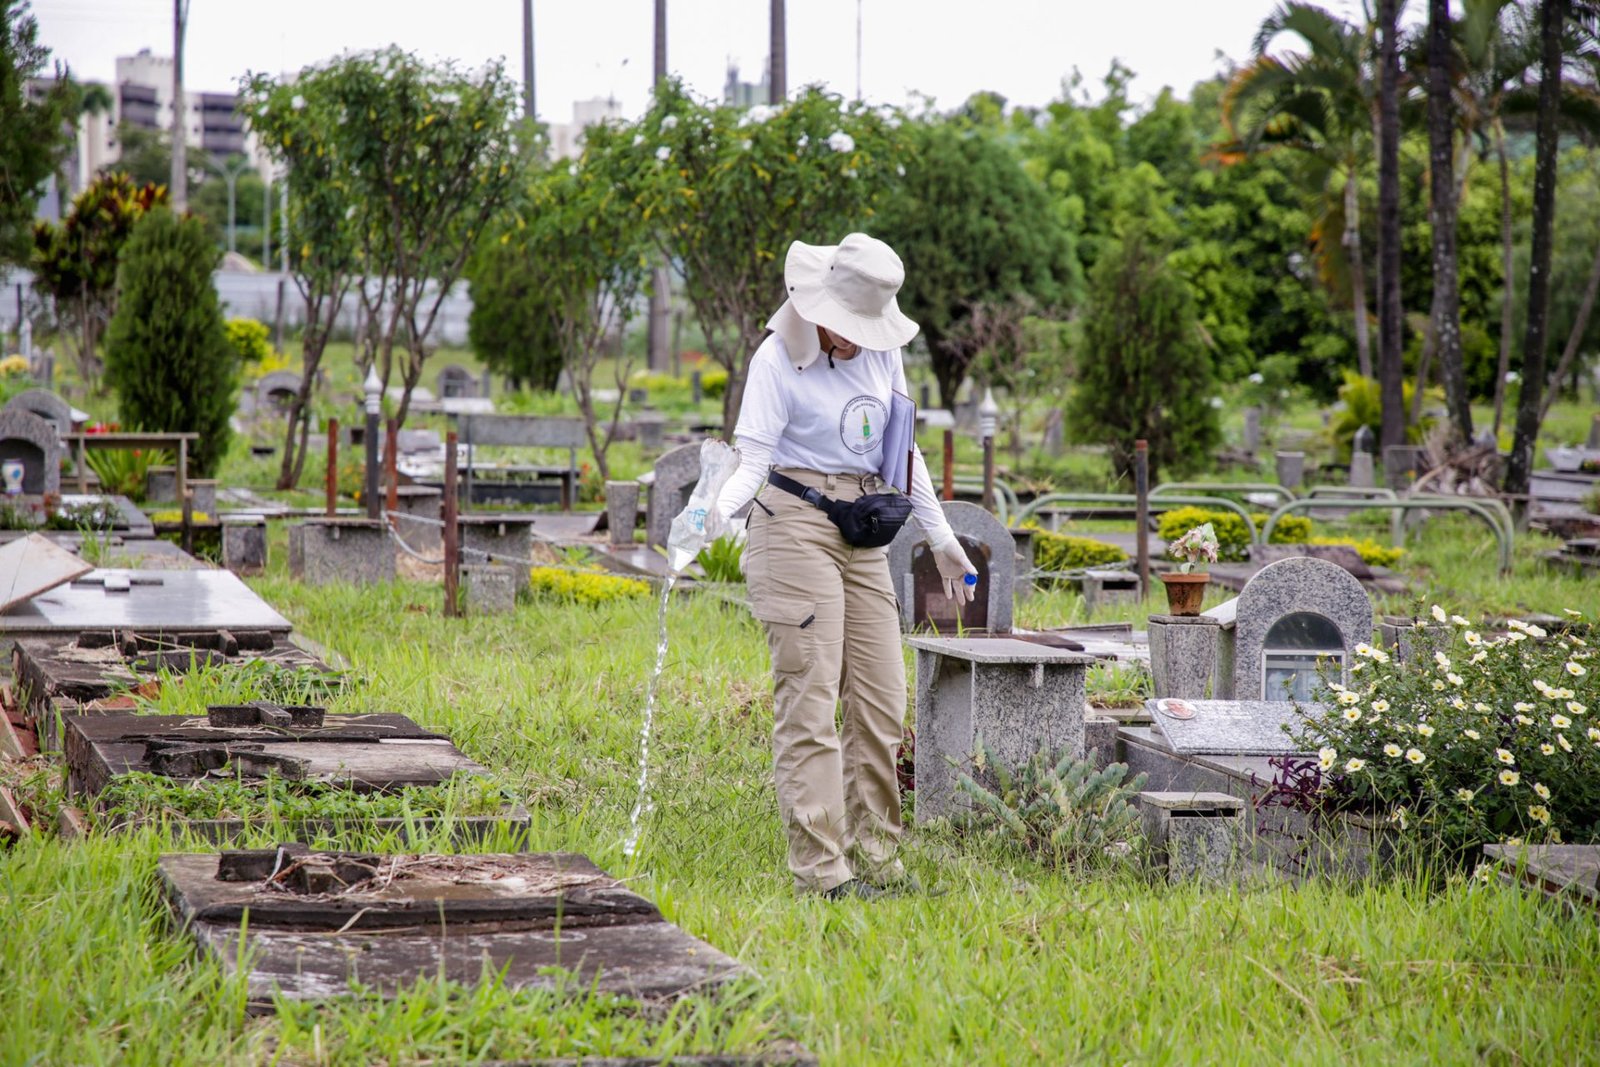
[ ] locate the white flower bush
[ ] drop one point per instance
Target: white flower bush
(1521, 761)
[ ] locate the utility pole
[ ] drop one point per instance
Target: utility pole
(656, 355)
(529, 111)
(178, 186)
(777, 71)
(858, 49)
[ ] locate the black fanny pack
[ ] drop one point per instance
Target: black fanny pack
(870, 521)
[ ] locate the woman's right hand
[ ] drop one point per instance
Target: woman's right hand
(954, 566)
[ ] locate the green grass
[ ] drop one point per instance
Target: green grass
(1014, 964)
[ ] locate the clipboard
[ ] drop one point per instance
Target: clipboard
(899, 442)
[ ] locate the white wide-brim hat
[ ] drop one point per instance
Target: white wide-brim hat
(848, 288)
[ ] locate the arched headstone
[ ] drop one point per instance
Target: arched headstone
(1295, 602)
(992, 550)
(45, 404)
(277, 390)
(25, 436)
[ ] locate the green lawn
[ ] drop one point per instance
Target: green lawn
(1014, 964)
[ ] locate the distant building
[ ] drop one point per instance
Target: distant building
(142, 96)
(566, 138)
(746, 94)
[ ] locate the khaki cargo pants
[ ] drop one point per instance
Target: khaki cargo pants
(833, 627)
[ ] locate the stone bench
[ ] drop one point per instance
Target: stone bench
(1019, 697)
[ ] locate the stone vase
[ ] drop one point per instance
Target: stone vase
(1185, 592)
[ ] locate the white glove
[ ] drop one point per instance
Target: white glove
(954, 567)
(716, 522)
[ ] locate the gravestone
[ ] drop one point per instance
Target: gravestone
(1361, 472)
(276, 391)
(1195, 836)
(47, 405)
(410, 442)
(505, 539)
(1295, 613)
(489, 588)
(1252, 429)
(1226, 727)
(322, 551)
(622, 511)
(673, 479)
(1183, 654)
(1291, 469)
(26, 437)
(992, 550)
(244, 543)
(1402, 465)
(1019, 697)
(1053, 432)
(160, 485)
(456, 381)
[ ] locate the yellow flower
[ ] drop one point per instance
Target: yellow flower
(1560, 722)
(1442, 660)
(1415, 755)
(1454, 679)
(1478, 656)
(1594, 733)
(1523, 720)
(1576, 708)
(1470, 732)
(1326, 758)
(1542, 789)
(1424, 730)
(1516, 638)
(1504, 756)
(1523, 706)
(1576, 669)
(1562, 694)
(1465, 795)
(1574, 614)
(1539, 813)
(1459, 621)
(1398, 816)
(1380, 705)
(1363, 649)
(1542, 686)
(1438, 686)
(1471, 637)
(1391, 750)
(1480, 707)
(1537, 631)
(1353, 765)
(1438, 613)
(1509, 777)
(13, 364)
(1548, 749)
(1349, 698)
(1458, 703)
(1561, 739)
(1352, 714)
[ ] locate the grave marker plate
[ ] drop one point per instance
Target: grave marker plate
(156, 602)
(1226, 727)
(34, 565)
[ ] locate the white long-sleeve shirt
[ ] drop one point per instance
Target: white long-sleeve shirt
(823, 418)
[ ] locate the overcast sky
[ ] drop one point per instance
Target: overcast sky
(947, 49)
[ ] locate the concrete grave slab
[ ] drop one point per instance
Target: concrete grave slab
(1554, 869)
(1195, 836)
(389, 920)
(146, 602)
(1225, 727)
(33, 565)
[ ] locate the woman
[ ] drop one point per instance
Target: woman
(815, 404)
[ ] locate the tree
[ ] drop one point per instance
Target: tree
(35, 132)
(1318, 103)
(1446, 315)
(167, 354)
(727, 191)
(419, 158)
(145, 156)
(590, 259)
(75, 262)
(1143, 370)
(512, 324)
(1519, 467)
(301, 126)
(975, 232)
(1391, 371)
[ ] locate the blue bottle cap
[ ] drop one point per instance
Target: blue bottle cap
(970, 579)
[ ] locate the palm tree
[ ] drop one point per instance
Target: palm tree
(1446, 313)
(1319, 103)
(1552, 24)
(1391, 385)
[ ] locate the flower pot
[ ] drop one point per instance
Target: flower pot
(1185, 592)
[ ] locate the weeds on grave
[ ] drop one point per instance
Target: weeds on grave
(191, 692)
(1111, 686)
(123, 471)
(1056, 808)
(229, 795)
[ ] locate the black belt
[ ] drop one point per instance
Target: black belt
(810, 495)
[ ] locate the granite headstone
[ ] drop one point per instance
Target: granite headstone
(25, 436)
(1300, 584)
(992, 550)
(45, 404)
(675, 475)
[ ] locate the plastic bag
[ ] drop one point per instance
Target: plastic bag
(718, 461)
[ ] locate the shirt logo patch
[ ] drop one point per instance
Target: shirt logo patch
(861, 424)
